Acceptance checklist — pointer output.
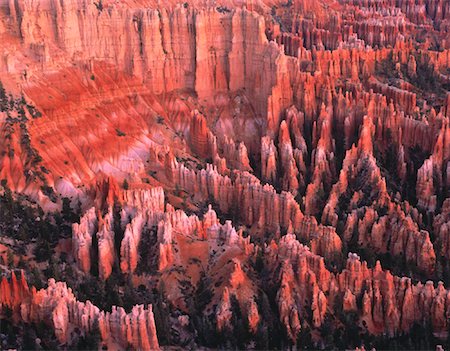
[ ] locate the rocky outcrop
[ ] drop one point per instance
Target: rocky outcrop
(432, 177)
(389, 304)
(236, 155)
(136, 328)
(319, 127)
(106, 248)
(129, 255)
(156, 51)
(198, 135)
(290, 177)
(441, 226)
(57, 306)
(223, 313)
(14, 291)
(381, 310)
(243, 193)
(82, 239)
(268, 160)
(396, 232)
(324, 240)
(323, 164)
(143, 206)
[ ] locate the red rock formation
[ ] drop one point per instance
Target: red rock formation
(268, 160)
(323, 164)
(165, 246)
(431, 176)
(324, 240)
(258, 203)
(13, 292)
(144, 205)
(223, 313)
(136, 329)
(288, 164)
(390, 304)
(441, 226)
(106, 250)
(57, 306)
(381, 311)
(198, 135)
(333, 103)
(236, 155)
(82, 239)
(289, 314)
(129, 255)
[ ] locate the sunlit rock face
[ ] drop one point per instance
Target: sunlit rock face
(248, 174)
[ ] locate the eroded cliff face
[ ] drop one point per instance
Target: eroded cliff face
(238, 165)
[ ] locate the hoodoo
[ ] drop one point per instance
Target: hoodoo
(223, 174)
